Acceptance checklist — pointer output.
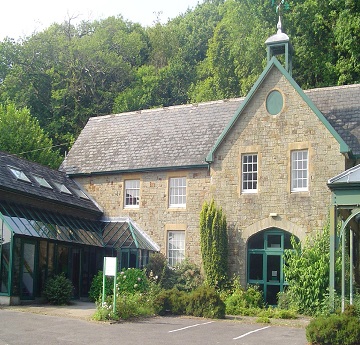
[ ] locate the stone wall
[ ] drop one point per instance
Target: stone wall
(153, 214)
(273, 138)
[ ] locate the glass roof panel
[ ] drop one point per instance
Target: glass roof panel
(80, 193)
(19, 174)
(36, 223)
(42, 182)
(62, 188)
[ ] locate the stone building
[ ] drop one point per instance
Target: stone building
(265, 159)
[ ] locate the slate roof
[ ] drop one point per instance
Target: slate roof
(341, 107)
(9, 183)
(177, 136)
(182, 136)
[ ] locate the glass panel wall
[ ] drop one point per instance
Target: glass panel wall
(5, 245)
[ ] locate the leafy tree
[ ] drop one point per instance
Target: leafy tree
(214, 244)
(21, 134)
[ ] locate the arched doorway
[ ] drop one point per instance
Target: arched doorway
(265, 262)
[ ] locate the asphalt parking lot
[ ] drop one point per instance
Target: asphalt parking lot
(17, 327)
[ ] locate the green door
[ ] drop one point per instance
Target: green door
(28, 260)
(265, 262)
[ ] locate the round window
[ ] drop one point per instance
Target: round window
(274, 102)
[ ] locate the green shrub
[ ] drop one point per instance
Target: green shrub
(156, 266)
(170, 301)
(132, 280)
(96, 287)
(132, 306)
(58, 290)
(205, 302)
(127, 306)
(263, 319)
(334, 330)
(307, 272)
(242, 299)
(186, 276)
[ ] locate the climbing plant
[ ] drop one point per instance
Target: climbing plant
(214, 244)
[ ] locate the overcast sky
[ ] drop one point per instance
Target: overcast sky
(24, 17)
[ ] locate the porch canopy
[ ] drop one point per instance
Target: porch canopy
(345, 208)
(120, 233)
(124, 233)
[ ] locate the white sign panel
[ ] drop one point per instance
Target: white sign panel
(110, 266)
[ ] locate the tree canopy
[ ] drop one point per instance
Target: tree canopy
(21, 134)
(68, 73)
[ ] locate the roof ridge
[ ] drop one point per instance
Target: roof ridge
(336, 87)
(171, 107)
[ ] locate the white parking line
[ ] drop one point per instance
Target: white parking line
(198, 324)
(256, 330)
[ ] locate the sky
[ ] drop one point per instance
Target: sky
(24, 17)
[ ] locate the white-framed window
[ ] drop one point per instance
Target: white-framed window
(299, 170)
(132, 193)
(177, 192)
(176, 247)
(249, 173)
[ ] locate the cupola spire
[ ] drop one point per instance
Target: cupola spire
(279, 44)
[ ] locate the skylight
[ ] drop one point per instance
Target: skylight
(19, 174)
(42, 182)
(62, 188)
(80, 193)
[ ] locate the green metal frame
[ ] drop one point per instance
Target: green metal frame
(9, 283)
(266, 252)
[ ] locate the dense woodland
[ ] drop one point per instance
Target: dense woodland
(67, 73)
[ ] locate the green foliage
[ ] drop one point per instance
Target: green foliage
(214, 244)
(129, 281)
(156, 266)
(58, 290)
(128, 306)
(186, 276)
(242, 299)
(205, 302)
(96, 287)
(20, 133)
(132, 280)
(170, 301)
(263, 319)
(307, 272)
(334, 330)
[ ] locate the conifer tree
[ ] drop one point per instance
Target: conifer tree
(214, 244)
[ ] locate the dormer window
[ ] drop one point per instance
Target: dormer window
(62, 188)
(42, 182)
(19, 174)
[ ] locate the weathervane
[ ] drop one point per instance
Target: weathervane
(286, 7)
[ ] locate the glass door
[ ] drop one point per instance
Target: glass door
(265, 262)
(28, 270)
